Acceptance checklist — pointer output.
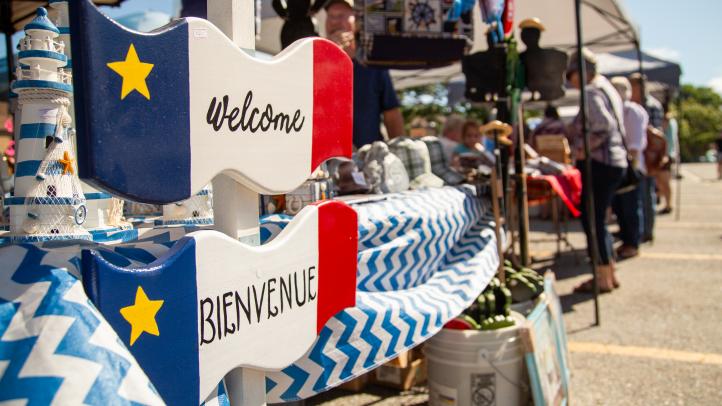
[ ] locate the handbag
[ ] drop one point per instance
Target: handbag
(655, 155)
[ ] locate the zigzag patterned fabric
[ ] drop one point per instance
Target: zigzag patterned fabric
(55, 347)
(423, 257)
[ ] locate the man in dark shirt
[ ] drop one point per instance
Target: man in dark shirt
(373, 92)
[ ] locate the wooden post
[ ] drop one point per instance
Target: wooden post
(495, 194)
(235, 207)
(521, 193)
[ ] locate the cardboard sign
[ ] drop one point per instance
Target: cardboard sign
(182, 104)
(212, 304)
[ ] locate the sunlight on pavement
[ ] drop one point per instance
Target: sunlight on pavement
(646, 352)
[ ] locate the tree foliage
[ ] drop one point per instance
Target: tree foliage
(430, 102)
(700, 120)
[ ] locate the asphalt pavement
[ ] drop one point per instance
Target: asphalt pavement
(660, 337)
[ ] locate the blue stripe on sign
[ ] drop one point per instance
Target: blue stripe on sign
(27, 168)
(64, 30)
(36, 130)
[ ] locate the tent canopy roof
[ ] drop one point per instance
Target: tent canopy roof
(660, 73)
(624, 63)
(605, 24)
(606, 27)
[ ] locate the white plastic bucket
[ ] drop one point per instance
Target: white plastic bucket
(477, 368)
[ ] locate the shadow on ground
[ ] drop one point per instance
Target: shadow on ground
(373, 395)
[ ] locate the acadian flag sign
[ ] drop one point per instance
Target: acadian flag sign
(212, 304)
(160, 114)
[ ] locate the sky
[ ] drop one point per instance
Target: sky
(686, 32)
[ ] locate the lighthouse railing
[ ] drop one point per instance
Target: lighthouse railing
(38, 73)
(45, 44)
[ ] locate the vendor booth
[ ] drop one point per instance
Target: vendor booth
(181, 233)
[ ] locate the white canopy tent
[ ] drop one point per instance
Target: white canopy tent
(606, 28)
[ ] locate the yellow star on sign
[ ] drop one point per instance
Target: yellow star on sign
(141, 315)
(67, 163)
(134, 72)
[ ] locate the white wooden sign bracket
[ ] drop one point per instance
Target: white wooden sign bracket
(235, 207)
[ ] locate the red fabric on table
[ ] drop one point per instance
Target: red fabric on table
(568, 185)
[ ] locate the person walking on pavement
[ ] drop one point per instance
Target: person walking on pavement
(718, 147)
(608, 156)
(628, 206)
(664, 176)
(373, 92)
(648, 183)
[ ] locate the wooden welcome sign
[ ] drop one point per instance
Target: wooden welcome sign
(212, 304)
(159, 115)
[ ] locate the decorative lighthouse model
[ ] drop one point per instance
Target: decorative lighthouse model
(104, 211)
(196, 210)
(48, 202)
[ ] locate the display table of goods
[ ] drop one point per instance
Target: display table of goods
(183, 311)
(423, 257)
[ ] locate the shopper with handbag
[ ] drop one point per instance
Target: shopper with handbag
(608, 156)
(627, 205)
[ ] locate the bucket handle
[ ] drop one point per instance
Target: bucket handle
(492, 358)
(485, 355)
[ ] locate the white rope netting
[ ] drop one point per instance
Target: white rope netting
(55, 204)
(196, 210)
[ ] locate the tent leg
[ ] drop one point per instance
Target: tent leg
(521, 192)
(678, 166)
(9, 53)
(589, 194)
(7, 27)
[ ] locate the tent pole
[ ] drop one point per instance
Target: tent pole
(7, 26)
(9, 57)
(678, 164)
(640, 69)
(588, 193)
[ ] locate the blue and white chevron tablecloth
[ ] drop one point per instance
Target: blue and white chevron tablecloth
(423, 257)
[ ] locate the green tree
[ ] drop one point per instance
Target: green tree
(700, 120)
(431, 103)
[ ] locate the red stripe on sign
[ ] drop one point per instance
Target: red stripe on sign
(337, 252)
(332, 103)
